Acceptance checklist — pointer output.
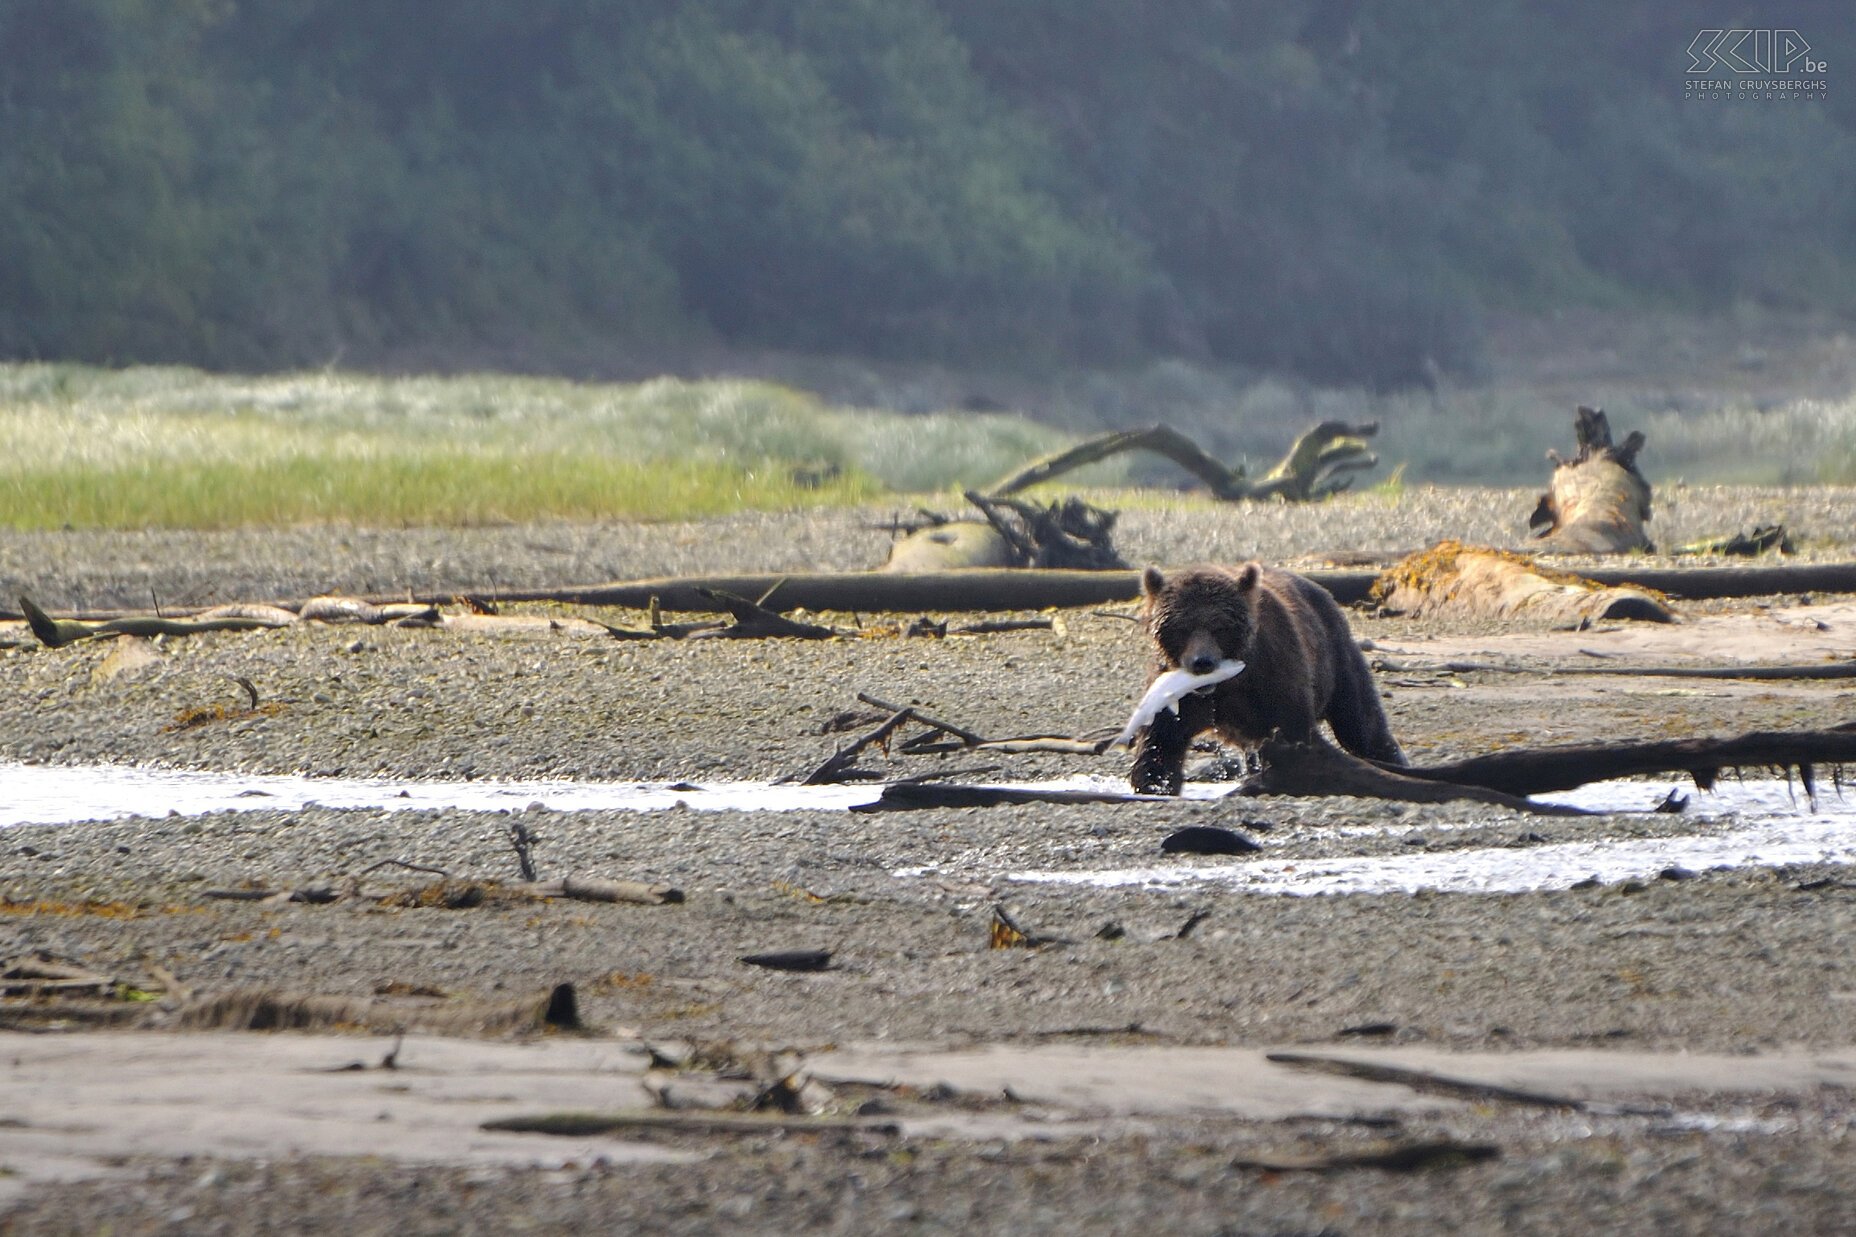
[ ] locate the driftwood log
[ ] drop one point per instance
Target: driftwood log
(257, 1009)
(1320, 463)
(1453, 578)
(56, 633)
(1504, 778)
(597, 889)
(1597, 502)
(1005, 589)
(914, 796)
(1068, 534)
(1316, 769)
(1543, 770)
(985, 589)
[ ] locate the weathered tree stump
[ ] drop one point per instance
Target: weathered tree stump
(1598, 501)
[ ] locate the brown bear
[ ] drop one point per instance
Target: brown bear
(1301, 667)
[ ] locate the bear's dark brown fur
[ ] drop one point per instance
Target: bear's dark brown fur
(1302, 667)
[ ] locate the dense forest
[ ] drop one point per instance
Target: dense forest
(1323, 186)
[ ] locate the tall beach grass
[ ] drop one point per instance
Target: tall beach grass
(154, 447)
(168, 447)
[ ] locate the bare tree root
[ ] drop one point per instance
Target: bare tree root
(1317, 465)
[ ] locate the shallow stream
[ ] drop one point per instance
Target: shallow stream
(1754, 823)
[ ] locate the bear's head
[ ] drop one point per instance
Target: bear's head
(1202, 615)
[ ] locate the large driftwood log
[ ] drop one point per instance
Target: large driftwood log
(1317, 465)
(1309, 770)
(950, 545)
(1504, 778)
(994, 589)
(980, 588)
(1597, 502)
(1453, 578)
(1069, 534)
(1009, 589)
(1543, 770)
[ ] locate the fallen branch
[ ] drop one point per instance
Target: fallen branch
(582, 1124)
(1394, 1157)
(967, 740)
(315, 895)
(791, 960)
(401, 863)
(915, 795)
(967, 736)
(1743, 545)
(991, 627)
(1223, 482)
(41, 976)
(1051, 744)
(1425, 1081)
(754, 621)
(658, 631)
(338, 610)
(839, 766)
(593, 889)
(57, 633)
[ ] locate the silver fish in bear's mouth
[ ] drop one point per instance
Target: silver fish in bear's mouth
(1166, 693)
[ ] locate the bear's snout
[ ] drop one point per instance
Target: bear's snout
(1201, 654)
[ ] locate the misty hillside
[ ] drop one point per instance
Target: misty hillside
(1325, 187)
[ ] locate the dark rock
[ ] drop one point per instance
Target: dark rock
(1208, 840)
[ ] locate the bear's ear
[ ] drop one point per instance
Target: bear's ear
(1152, 582)
(1247, 578)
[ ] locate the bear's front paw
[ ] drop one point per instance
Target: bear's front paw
(1155, 782)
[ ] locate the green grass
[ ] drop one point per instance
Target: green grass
(440, 487)
(165, 447)
(138, 448)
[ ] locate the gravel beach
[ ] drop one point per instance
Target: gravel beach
(1750, 962)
